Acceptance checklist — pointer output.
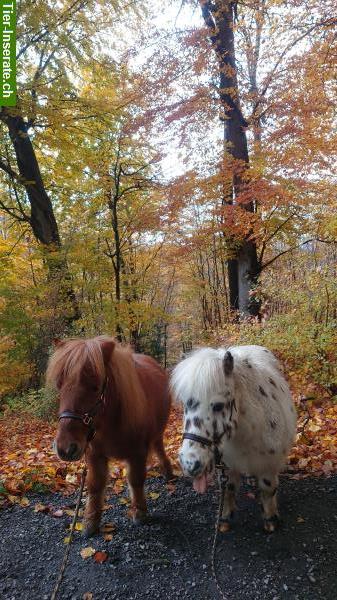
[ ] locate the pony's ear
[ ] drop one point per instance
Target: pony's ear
(57, 343)
(107, 347)
(228, 363)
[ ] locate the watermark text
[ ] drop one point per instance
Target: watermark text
(7, 53)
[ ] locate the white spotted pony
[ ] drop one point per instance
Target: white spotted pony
(237, 403)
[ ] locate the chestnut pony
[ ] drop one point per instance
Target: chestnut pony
(113, 404)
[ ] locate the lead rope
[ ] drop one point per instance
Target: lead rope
(222, 479)
(66, 554)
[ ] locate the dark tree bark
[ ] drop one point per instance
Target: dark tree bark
(116, 255)
(41, 219)
(243, 268)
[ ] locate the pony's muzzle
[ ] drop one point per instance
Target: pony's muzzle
(72, 452)
(196, 468)
(191, 466)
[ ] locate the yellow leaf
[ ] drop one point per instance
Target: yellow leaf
(123, 501)
(87, 552)
(78, 526)
(152, 473)
(13, 499)
(154, 495)
(66, 540)
(24, 501)
(41, 507)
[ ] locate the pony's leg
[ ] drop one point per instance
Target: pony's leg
(164, 461)
(96, 482)
(268, 486)
(229, 505)
(136, 473)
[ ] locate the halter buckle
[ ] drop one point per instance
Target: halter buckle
(87, 419)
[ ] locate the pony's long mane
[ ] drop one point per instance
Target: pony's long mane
(201, 372)
(125, 384)
(73, 356)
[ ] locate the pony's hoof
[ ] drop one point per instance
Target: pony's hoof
(224, 526)
(169, 476)
(137, 515)
(271, 524)
(90, 528)
(140, 517)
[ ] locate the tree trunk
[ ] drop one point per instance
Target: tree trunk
(42, 218)
(243, 268)
(117, 263)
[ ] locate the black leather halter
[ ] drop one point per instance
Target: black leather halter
(204, 441)
(87, 418)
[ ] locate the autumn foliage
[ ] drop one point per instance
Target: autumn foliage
(122, 122)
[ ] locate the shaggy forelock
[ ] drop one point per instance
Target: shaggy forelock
(70, 358)
(199, 375)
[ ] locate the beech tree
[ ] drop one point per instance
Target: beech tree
(243, 268)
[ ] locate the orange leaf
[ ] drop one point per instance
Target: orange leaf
(100, 557)
(108, 527)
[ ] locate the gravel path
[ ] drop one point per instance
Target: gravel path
(170, 556)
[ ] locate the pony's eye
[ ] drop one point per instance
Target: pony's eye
(218, 406)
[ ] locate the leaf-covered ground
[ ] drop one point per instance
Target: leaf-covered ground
(166, 557)
(28, 462)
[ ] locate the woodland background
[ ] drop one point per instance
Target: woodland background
(157, 187)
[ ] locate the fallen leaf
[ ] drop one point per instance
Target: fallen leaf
(224, 527)
(78, 526)
(71, 478)
(66, 540)
(300, 520)
(100, 557)
(24, 501)
(154, 495)
(153, 473)
(87, 596)
(87, 552)
(13, 499)
(70, 512)
(108, 537)
(108, 527)
(123, 501)
(58, 513)
(41, 508)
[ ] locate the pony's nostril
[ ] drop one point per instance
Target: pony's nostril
(72, 450)
(196, 467)
(61, 453)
